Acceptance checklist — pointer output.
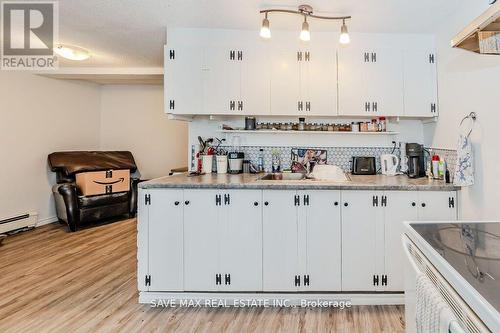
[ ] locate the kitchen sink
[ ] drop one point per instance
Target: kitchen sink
(302, 177)
(283, 176)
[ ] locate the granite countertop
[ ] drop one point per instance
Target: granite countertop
(251, 181)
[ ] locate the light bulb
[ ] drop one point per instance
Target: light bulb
(344, 35)
(305, 34)
(265, 32)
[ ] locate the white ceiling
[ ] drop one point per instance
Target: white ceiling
(131, 33)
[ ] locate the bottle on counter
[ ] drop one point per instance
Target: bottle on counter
(435, 166)
(261, 160)
(441, 169)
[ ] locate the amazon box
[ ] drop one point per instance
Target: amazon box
(103, 182)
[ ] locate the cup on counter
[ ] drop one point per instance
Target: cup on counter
(221, 163)
(206, 166)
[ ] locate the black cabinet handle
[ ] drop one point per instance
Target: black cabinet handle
(255, 203)
(186, 202)
(336, 203)
(413, 204)
(423, 204)
(266, 203)
(177, 203)
(346, 204)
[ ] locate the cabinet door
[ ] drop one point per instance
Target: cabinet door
(362, 240)
(420, 83)
(256, 79)
(285, 83)
(353, 81)
(201, 240)
(320, 230)
(183, 79)
(280, 264)
(370, 82)
(241, 241)
(401, 207)
(222, 80)
(437, 206)
(318, 88)
(386, 82)
(165, 241)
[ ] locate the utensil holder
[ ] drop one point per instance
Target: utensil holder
(207, 161)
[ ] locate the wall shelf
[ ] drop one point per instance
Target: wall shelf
(304, 132)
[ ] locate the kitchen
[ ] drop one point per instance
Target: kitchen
(255, 167)
(283, 202)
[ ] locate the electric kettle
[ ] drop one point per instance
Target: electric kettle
(389, 164)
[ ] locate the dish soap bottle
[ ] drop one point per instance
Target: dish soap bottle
(260, 164)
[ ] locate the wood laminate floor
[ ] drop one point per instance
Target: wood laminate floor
(55, 281)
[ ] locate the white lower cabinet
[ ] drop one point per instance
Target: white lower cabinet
(161, 226)
(205, 240)
(301, 241)
(372, 224)
(362, 240)
(222, 240)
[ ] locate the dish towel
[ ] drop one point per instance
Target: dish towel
(433, 315)
(464, 169)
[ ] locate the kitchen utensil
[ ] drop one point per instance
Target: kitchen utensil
(363, 165)
(389, 164)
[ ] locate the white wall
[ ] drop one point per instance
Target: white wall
(38, 116)
(470, 82)
(132, 118)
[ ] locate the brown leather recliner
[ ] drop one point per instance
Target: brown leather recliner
(76, 209)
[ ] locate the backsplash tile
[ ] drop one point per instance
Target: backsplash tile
(340, 156)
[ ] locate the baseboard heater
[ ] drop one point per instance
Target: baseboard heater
(27, 220)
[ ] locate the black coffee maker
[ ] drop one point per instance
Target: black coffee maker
(416, 160)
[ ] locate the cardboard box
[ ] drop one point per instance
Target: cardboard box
(103, 182)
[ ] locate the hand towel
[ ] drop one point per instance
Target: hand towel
(464, 169)
(433, 315)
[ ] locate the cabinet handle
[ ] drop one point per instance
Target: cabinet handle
(255, 203)
(375, 106)
(423, 204)
(374, 57)
(367, 57)
(367, 106)
(177, 203)
(186, 202)
(266, 203)
(346, 204)
(336, 203)
(413, 204)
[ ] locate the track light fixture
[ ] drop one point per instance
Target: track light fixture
(305, 33)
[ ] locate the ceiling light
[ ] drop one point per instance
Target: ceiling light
(306, 11)
(72, 52)
(265, 32)
(305, 34)
(344, 35)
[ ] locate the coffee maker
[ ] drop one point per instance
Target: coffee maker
(416, 160)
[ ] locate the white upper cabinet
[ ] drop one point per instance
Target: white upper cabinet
(420, 83)
(234, 72)
(303, 78)
(370, 82)
(183, 79)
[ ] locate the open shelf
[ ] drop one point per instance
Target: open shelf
(305, 132)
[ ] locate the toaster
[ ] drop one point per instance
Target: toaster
(363, 165)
